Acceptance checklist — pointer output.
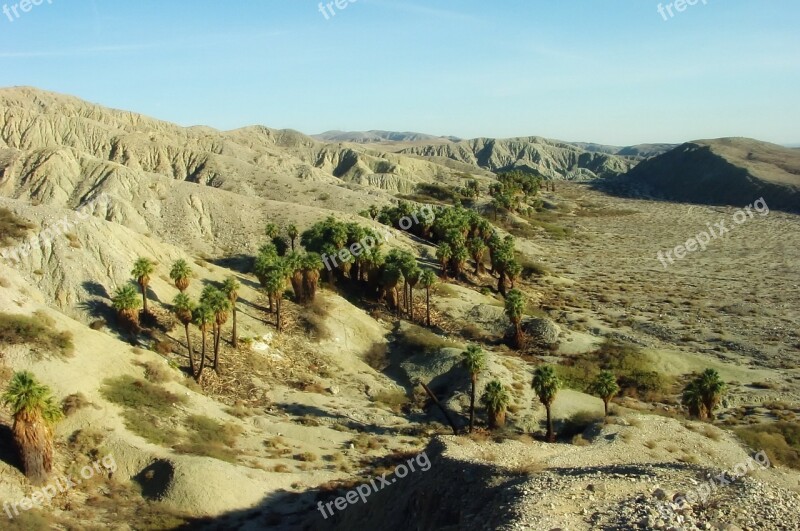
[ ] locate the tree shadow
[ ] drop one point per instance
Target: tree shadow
(241, 263)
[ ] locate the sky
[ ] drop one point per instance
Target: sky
(613, 72)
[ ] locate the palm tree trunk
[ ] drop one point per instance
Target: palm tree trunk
(217, 335)
(189, 346)
(428, 306)
(472, 404)
(411, 303)
(35, 441)
(278, 316)
(518, 333)
(605, 407)
(202, 357)
(269, 295)
(235, 334)
(551, 437)
(144, 297)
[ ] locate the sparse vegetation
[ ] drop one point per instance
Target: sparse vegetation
(37, 331)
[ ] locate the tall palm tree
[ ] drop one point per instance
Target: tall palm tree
(293, 233)
(692, 398)
(35, 411)
(220, 305)
(275, 285)
(477, 248)
(142, 269)
(203, 317)
(515, 305)
(712, 388)
(546, 384)
(474, 360)
(126, 302)
(444, 253)
(231, 288)
(496, 399)
(427, 279)
(412, 279)
(605, 386)
(181, 274)
(183, 307)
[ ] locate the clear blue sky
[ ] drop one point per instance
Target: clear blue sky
(609, 71)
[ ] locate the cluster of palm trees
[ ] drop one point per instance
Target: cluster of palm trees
(513, 190)
(545, 384)
(211, 312)
(703, 394)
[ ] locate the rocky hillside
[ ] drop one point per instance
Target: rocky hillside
(727, 171)
(369, 137)
(553, 159)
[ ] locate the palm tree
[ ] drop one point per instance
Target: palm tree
(142, 269)
(275, 285)
(293, 233)
(181, 274)
(427, 279)
(412, 279)
(35, 411)
(693, 400)
(183, 307)
(444, 253)
(545, 384)
(203, 317)
(711, 389)
(231, 290)
(474, 360)
(515, 304)
(271, 230)
(495, 398)
(220, 305)
(477, 248)
(312, 263)
(126, 302)
(605, 386)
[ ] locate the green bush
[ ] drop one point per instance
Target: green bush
(132, 393)
(36, 331)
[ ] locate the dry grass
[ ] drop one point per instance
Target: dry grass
(12, 227)
(37, 331)
(73, 403)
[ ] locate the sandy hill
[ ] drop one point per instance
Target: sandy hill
(732, 171)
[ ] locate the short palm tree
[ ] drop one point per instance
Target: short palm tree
(183, 309)
(181, 274)
(474, 360)
(692, 399)
(292, 233)
(312, 264)
(515, 305)
(712, 388)
(605, 386)
(546, 384)
(142, 269)
(496, 399)
(427, 279)
(35, 411)
(126, 302)
(203, 317)
(231, 288)
(271, 230)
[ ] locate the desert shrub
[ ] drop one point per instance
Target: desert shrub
(12, 227)
(163, 347)
(377, 356)
(37, 331)
(132, 393)
(86, 442)
(313, 318)
(73, 403)
(308, 457)
(531, 268)
(98, 324)
(578, 423)
(395, 399)
(157, 372)
(209, 438)
(419, 339)
(780, 440)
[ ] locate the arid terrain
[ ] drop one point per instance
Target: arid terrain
(294, 419)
